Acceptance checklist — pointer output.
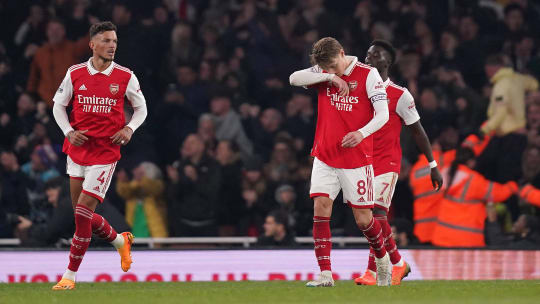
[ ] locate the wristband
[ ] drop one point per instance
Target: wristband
(433, 164)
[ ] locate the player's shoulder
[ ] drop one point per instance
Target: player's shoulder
(122, 68)
(393, 85)
(364, 67)
(76, 67)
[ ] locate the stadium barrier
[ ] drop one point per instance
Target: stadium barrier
(264, 265)
(246, 242)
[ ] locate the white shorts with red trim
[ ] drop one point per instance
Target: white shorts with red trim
(385, 184)
(96, 178)
(357, 184)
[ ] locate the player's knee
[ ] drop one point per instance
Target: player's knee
(322, 206)
(362, 217)
(88, 201)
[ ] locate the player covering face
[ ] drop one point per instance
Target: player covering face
(387, 157)
(352, 105)
(95, 130)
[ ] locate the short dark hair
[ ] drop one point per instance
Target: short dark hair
(513, 7)
(496, 59)
(101, 27)
(280, 217)
(324, 51)
(387, 46)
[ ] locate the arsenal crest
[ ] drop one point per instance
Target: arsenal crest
(353, 85)
(114, 87)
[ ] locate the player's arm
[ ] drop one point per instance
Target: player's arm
(406, 109)
(61, 99)
(377, 94)
(314, 75)
(138, 102)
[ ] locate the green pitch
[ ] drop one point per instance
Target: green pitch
(414, 292)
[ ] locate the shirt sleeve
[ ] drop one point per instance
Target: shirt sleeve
(134, 93)
(138, 102)
(380, 117)
(65, 92)
(309, 77)
(406, 109)
(374, 86)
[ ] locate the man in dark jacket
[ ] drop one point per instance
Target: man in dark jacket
(276, 231)
(60, 223)
(194, 191)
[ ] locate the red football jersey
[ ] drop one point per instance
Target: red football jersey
(97, 100)
(338, 116)
(386, 145)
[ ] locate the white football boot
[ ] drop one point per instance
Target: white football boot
(384, 270)
(325, 280)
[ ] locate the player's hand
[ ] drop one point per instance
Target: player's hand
(122, 137)
(436, 179)
(77, 138)
(341, 85)
(352, 139)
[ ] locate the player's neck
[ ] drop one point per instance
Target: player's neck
(384, 75)
(100, 64)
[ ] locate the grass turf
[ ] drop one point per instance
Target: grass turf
(416, 292)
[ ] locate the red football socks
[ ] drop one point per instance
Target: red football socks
(102, 228)
(373, 234)
(323, 241)
(81, 238)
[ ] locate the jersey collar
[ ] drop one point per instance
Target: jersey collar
(387, 82)
(351, 66)
(93, 71)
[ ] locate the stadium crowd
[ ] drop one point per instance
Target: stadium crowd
(225, 148)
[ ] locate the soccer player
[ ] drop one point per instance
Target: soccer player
(352, 105)
(95, 131)
(387, 157)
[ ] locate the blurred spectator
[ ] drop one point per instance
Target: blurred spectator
(207, 131)
(13, 194)
(52, 60)
(402, 232)
(228, 123)
(39, 170)
(276, 231)
(525, 232)
(300, 121)
(506, 118)
(183, 49)
(228, 156)
(60, 223)
(255, 197)
(31, 33)
(282, 163)
(145, 210)
(262, 129)
(195, 94)
(192, 196)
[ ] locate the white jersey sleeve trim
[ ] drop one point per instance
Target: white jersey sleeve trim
(406, 109)
(380, 117)
(309, 76)
(61, 118)
(374, 84)
(138, 102)
(65, 91)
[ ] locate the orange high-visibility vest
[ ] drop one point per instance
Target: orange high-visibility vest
(462, 211)
(531, 195)
(476, 144)
(426, 199)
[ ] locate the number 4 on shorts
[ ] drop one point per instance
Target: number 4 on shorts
(101, 177)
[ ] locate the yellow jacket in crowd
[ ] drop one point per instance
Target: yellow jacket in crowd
(506, 111)
(149, 191)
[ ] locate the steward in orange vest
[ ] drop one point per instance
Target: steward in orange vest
(426, 198)
(462, 213)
